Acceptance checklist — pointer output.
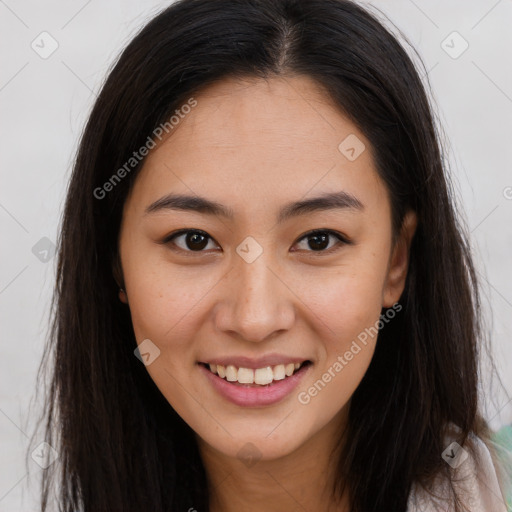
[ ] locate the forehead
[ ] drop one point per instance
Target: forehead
(289, 114)
(261, 139)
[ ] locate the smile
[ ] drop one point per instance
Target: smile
(254, 387)
(259, 376)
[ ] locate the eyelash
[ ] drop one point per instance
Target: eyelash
(342, 240)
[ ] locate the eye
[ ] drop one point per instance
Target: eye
(195, 240)
(192, 240)
(319, 241)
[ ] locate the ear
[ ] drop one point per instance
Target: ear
(117, 272)
(122, 296)
(399, 261)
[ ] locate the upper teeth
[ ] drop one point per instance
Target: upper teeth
(260, 376)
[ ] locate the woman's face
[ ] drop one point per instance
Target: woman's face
(253, 289)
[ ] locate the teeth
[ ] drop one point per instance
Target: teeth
(289, 369)
(263, 376)
(279, 373)
(231, 373)
(246, 376)
(221, 371)
(260, 376)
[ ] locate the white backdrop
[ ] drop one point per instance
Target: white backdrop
(54, 57)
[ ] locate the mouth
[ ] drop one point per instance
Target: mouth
(258, 377)
(255, 387)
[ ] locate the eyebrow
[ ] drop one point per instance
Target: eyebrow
(327, 201)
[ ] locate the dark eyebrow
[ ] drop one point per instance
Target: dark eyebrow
(328, 201)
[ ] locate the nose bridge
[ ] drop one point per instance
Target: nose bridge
(259, 304)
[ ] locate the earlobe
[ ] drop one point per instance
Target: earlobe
(122, 296)
(118, 277)
(399, 263)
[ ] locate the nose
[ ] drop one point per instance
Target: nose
(257, 302)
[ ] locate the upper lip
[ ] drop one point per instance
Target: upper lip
(254, 363)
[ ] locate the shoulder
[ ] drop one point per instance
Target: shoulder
(474, 480)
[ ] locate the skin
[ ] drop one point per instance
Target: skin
(254, 146)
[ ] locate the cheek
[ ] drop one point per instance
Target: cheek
(163, 300)
(166, 308)
(347, 312)
(347, 300)
(347, 306)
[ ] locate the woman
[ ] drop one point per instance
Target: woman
(264, 298)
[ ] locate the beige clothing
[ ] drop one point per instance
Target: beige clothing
(477, 486)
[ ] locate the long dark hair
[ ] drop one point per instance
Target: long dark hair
(121, 445)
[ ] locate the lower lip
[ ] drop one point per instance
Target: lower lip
(247, 396)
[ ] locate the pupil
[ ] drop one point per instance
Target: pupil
(197, 241)
(323, 243)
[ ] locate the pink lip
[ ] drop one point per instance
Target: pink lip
(254, 363)
(247, 396)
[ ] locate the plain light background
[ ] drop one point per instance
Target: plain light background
(44, 103)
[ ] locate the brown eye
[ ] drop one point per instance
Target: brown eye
(189, 240)
(320, 241)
